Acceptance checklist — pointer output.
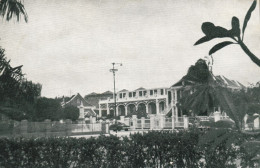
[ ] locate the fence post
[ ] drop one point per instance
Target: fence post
(122, 119)
(186, 122)
(24, 127)
(216, 116)
(151, 121)
(162, 121)
(94, 120)
(134, 118)
(256, 123)
(142, 122)
(173, 123)
(47, 124)
(68, 124)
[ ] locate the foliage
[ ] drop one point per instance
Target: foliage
(18, 95)
(218, 148)
(71, 112)
(200, 96)
(211, 32)
(10, 8)
(115, 127)
(47, 108)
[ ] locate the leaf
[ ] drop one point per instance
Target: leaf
(219, 46)
(207, 28)
(248, 15)
(202, 40)
(235, 27)
(211, 31)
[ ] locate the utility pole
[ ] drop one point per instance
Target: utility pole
(114, 73)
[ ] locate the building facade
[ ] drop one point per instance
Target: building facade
(85, 109)
(155, 101)
(151, 101)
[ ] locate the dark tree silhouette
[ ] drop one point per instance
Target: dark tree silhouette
(211, 32)
(12, 8)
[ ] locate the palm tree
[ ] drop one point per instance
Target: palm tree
(204, 92)
(12, 8)
(211, 32)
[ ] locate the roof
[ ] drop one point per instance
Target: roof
(84, 102)
(107, 92)
(141, 88)
(124, 90)
(89, 112)
(93, 93)
(220, 79)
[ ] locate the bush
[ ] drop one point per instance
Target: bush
(224, 124)
(115, 127)
(152, 149)
(71, 112)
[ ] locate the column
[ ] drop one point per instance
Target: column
(125, 110)
(186, 122)
(217, 116)
(176, 113)
(175, 98)
(157, 107)
(167, 101)
(100, 111)
(116, 110)
(146, 108)
(108, 112)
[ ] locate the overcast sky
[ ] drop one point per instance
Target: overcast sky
(70, 44)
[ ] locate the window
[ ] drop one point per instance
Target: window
(124, 94)
(145, 93)
(162, 92)
(120, 95)
(155, 91)
(140, 93)
(134, 94)
(151, 92)
(130, 94)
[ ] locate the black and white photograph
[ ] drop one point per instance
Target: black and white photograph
(129, 83)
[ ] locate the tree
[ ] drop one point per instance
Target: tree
(204, 93)
(12, 8)
(211, 32)
(71, 112)
(47, 108)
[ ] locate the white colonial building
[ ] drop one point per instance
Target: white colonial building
(152, 101)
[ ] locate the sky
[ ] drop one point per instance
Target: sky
(68, 46)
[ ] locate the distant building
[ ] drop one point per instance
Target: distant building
(93, 98)
(152, 101)
(86, 109)
(155, 101)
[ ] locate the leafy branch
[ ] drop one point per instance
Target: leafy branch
(211, 32)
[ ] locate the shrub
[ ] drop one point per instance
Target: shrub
(218, 148)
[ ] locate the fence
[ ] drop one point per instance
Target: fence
(51, 128)
(156, 122)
